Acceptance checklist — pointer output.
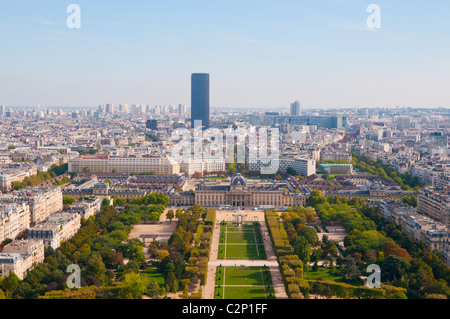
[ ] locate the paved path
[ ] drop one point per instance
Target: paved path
(271, 262)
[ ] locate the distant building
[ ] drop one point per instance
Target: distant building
(200, 107)
(346, 169)
(328, 122)
(202, 166)
(303, 166)
(295, 108)
(182, 110)
(110, 108)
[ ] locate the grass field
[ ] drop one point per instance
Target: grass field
(154, 275)
(241, 243)
(243, 283)
(325, 274)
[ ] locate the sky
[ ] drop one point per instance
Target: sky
(259, 53)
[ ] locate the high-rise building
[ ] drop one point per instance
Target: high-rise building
(110, 108)
(200, 99)
(123, 108)
(181, 109)
(295, 108)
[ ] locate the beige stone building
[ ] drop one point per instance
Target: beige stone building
(132, 164)
(433, 233)
(434, 203)
(20, 257)
(238, 194)
(58, 228)
(14, 218)
(43, 201)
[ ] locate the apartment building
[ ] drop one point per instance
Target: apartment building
(332, 156)
(14, 218)
(303, 166)
(9, 176)
(160, 165)
(86, 208)
(394, 210)
(20, 257)
(43, 201)
(59, 227)
(434, 203)
(434, 234)
(202, 166)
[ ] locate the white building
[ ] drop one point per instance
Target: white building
(14, 218)
(20, 257)
(160, 165)
(58, 228)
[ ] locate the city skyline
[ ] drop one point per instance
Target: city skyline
(323, 54)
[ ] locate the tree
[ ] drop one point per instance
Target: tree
(301, 249)
(95, 267)
(68, 200)
(170, 215)
(135, 286)
(105, 202)
(161, 254)
(11, 147)
(310, 235)
(394, 267)
(291, 171)
(153, 289)
(349, 270)
(10, 283)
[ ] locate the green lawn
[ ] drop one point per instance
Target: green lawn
(241, 243)
(242, 252)
(154, 275)
(241, 237)
(244, 283)
(324, 274)
(248, 293)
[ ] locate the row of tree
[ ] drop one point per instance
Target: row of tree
(406, 181)
(100, 249)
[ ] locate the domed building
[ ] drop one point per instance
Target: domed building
(101, 189)
(239, 193)
(238, 179)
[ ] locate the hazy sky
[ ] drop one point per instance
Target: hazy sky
(258, 53)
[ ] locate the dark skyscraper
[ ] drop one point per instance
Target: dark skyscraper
(200, 98)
